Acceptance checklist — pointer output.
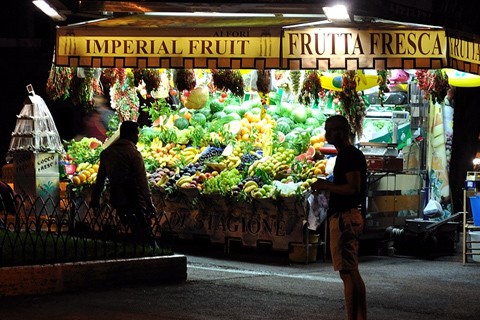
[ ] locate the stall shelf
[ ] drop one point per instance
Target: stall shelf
(471, 247)
(392, 198)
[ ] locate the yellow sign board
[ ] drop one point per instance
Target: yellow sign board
(240, 49)
(464, 54)
(252, 48)
(342, 48)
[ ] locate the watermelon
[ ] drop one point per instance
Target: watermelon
(219, 115)
(198, 119)
(287, 120)
(181, 123)
(283, 127)
(216, 106)
(230, 109)
(291, 136)
(272, 109)
(319, 115)
(256, 110)
(312, 122)
(234, 116)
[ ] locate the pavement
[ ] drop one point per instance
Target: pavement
(251, 284)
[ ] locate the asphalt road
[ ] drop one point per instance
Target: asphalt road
(265, 286)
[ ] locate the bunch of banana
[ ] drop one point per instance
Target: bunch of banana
(319, 167)
(232, 161)
(281, 170)
(250, 186)
(162, 181)
(83, 166)
(168, 160)
(185, 181)
(190, 154)
(264, 164)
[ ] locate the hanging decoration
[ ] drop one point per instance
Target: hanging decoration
(382, 85)
(185, 79)
(58, 83)
(226, 79)
(124, 98)
(311, 88)
(352, 104)
(434, 84)
(147, 78)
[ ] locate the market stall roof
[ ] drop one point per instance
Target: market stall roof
(258, 41)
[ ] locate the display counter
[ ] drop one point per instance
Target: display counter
(278, 222)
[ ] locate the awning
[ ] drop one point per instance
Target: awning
(141, 41)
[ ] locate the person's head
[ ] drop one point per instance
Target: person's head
(129, 131)
(338, 131)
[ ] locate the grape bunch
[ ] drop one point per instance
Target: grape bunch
(247, 159)
(189, 170)
(209, 154)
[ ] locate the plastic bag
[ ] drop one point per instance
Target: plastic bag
(433, 209)
(317, 209)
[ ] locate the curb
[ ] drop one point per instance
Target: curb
(67, 277)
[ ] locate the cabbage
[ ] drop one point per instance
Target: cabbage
(299, 114)
(284, 109)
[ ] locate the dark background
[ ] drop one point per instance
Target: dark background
(27, 39)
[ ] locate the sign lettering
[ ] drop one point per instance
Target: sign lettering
(210, 222)
(468, 51)
(220, 46)
(312, 43)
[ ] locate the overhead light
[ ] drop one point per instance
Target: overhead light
(211, 14)
(337, 13)
(49, 10)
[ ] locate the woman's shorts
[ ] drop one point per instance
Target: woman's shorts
(345, 228)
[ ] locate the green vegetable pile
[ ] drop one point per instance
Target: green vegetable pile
(85, 150)
(223, 183)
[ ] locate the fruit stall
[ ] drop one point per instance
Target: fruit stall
(234, 132)
(228, 161)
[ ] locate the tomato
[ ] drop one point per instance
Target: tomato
(221, 99)
(173, 92)
(224, 95)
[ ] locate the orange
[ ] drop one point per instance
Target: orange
(82, 177)
(318, 145)
(187, 115)
(76, 180)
